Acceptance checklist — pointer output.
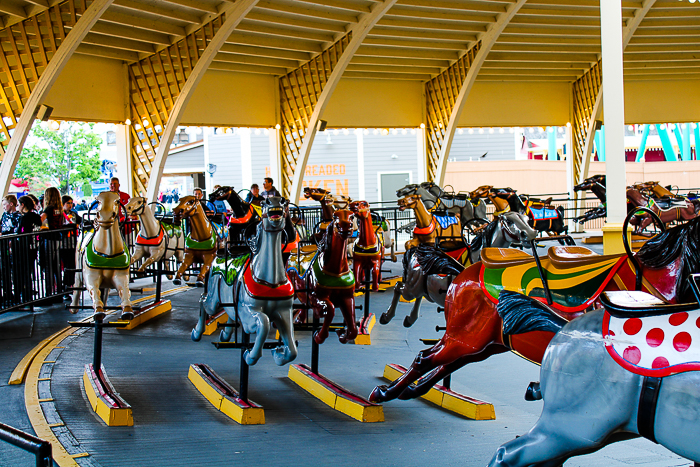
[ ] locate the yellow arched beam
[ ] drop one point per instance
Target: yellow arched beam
(359, 32)
(487, 42)
(233, 18)
(629, 31)
(48, 78)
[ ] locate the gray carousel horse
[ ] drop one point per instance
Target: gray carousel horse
(420, 282)
(591, 399)
(103, 259)
(156, 240)
(258, 286)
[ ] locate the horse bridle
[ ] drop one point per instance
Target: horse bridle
(505, 227)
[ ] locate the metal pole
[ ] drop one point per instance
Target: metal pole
(159, 281)
(244, 367)
(367, 283)
(314, 345)
(97, 356)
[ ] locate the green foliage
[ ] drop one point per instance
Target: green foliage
(67, 158)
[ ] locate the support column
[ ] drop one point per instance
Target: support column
(275, 155)
(422, 175)
(569, 156)
(246, 158)
(124, 165)
(614, 103)
(42, 88)
(361, 164)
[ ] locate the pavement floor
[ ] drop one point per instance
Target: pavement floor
(174, 425)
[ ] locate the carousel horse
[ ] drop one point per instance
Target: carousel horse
(429, 228)
(368, 251)
(481, 322)
(156, 240)
(435, 198)
(201, 243)
(596, 184)
(594, 396)
(685, 212)
(242, 214)
(418, 283)
(257, 285)
(103, 258)
(326, 275)
(544, 217)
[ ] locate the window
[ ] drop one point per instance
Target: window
(111, 138)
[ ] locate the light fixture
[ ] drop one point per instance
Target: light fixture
(403, 131)
(413, 131)
(385, 131)
(394, 156)
(54, 125)
(501, 130)
(422, 125)
(671, 126)
(145, 123)
(491, 130)
(481, 131)
(346, 131)
(460, 131)
(365, 131)
(375, 132)
(471, 131)
(257, 131)
(278, 126)
(568, 124)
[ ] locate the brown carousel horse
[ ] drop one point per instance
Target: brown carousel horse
(368, 251)
(428, 228)
(686, 211)
(201, 242)
(327, 275)
(501, 304)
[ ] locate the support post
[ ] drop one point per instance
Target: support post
(124, 164)
(642, 144)
(614, 103)
(42, 88)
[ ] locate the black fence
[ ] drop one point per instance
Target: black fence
(40, 448)
(36, 268)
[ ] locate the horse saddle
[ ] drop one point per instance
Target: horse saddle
(344, 280)
(151, 241)
(262, 290)
(666, 203)
(300, 260)
(96, 260)
(446, 221)
(209, 244)
(542, 214)
(575, 275)
(230, 268)
(171, 229)
(649, 337)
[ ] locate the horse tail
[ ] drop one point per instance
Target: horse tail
(435, 261)
(521, 314)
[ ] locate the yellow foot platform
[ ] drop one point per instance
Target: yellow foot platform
(335, 396)
(104, 400)
(149, 312)
(210, 325)
(448, 399)
(364, 336)
(222, 396)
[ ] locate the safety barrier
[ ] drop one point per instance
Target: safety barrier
(40, 448)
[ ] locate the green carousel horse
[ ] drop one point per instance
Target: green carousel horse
(201, 243)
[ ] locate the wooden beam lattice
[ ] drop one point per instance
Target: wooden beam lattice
(585, 91)
(155, 83)
(299, 93)
(441, 95)
(25, 51)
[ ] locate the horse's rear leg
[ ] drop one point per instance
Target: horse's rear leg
(121, 280)
(256, 322)
(376, 274)
(424, 384)
(388, 315)
(411, 318)
(325, 310)
(347, 307)
(184, 266)
(283, 323)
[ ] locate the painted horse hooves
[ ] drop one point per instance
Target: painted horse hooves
(177, 281)
(378, 394)
(408, 322)
(384, 319)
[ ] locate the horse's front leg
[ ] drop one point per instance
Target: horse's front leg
(78, 284)
(184, 266)
(93, 281)
(325, 309)
(388, 315)
(376, 273)
(207, 260)
(347, 307)
(255, 321)
(121, 281)
(413, 316)
(139, 252)
(358, 271)
(156, 253)
(283, 322)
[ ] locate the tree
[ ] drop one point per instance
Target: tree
(66, 158)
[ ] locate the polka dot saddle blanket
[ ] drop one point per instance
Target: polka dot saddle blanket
(651, 344)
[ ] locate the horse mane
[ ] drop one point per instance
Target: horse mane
(432, 260)
(241, 207)
(327, 240)
(483, 240)
(521, 314)
(681, 241)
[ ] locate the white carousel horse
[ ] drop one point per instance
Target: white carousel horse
(104, 259)
(156, 240)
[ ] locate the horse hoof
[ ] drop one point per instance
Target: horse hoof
(378, 394)
(384, 319)
(127, 316)
(319, 339)
(408, 322)
(177, 281)
(199, 283)
(195, 335)
(169, 276)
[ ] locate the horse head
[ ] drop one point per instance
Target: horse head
(274, 210)
(482, 192)
(360, 209)
(407, 190)
(590, 182)
(517, 228)
(186, 208)
(317, 194)
(408, 201)
(221, 193)
(341, 201)
(135, 206)
(107, 208)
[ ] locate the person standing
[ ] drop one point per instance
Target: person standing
(68, 243)
(51, 219)
(114, 186)
(10, 216)
(254, 195)
(270, 190)
(24, 273)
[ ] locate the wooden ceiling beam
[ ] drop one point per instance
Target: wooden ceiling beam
(427, 12)
(459, 5)
(552, 30)
(140, 8)
(256, 60)
(118, 43)
(380, 31)
(545, 48)
(340, 4)
(546, 40)
(377, 51)
(474, 28)
(107, 52)
(296, 22)
(389, 76)
(392, 69)
(124, 32)
(130, 20)
(265, 52)
(542, 57)
(274, 42)
(202, 7)
(416, 43)
(302, 9)
(261, 27)
(407, 62)
(10, 8)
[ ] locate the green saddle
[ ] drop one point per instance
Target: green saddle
(209, 244)
(573, 283)
(230, 269)
(172, 230)
(343, 281)
(97, 260)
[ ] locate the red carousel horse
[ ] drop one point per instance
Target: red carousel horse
(327, 275)
(683, 210)
(501, 304)
(369, 248)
